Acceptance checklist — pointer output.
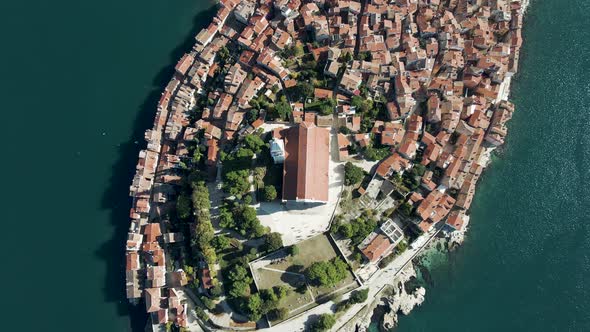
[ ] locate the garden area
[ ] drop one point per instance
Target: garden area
(311, 270)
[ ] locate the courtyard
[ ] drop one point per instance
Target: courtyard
(298, 221)
(280, 268)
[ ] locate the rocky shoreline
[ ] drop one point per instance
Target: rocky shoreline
(407, 292)
(402, 299)
(404, 294)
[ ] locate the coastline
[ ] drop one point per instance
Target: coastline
(385, 318)
(149, 205)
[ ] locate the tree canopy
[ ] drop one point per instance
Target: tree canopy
(357, 229)
(241, 218)
(305, 90)
(183, 206)
(327, 273)
(265, 301)
(273, 241)
(236, 182)
(352, 174)
(323, 323)
(270, 193)
(283, 109)
(359, 296)
(293, 250)
(239, 281)
(253, 143)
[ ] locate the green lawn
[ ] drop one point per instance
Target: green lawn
(287, 270)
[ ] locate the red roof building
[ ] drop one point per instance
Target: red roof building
(305, 170)
(379, 247)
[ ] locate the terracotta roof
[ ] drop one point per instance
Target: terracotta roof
(377, 248)
(305, 172)
(152, 299)
(151, 232)
(259, 122)
(184, 64)
(456, 220)
(206, 279)
(132, 260)
(322, 93)
(343, 141)
(394, 162)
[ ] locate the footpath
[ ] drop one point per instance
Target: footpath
(375, 284)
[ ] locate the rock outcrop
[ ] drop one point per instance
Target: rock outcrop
(400, 301)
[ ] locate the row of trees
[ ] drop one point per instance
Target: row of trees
(204, 232)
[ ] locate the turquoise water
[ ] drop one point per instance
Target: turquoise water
(80, 80)
(526, 263)
(79, 85)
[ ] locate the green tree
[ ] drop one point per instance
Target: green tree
(239, 281)
(361, 104)
(226, 218)
(221, 242)
(254, 305)
(207, 302)
(183, 206)
(244, 154)
(197, 155)
(239, 273)
(305, 90)
(205, 232)
(357, 257)
(401, 247)
(293, 250)
(359, 296)
(327, 273)
(279, 314)
(254, 143)
(273, 241)
(418, 170)
(405, 209)
(282, 108)
(352, 174)
(269, 295)
(247, 223)
(209, 255)
(223, 53)
(200, 197)
(281, 291)
(189, 270)
(298, 50)
(216, 291)
(324, 323)
(236, 182)
(344, 130)
(270, 193)
(346, 230)
(239, 289)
